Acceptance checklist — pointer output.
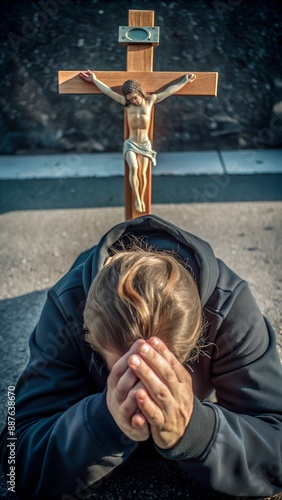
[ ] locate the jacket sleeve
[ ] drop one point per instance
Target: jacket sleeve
(66, 438)
(235, 445)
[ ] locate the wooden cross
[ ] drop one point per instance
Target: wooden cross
(139, 67)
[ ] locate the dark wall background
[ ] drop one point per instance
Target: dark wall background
(242, 40)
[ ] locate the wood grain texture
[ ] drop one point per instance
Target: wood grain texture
(204, 85)
(139, 57)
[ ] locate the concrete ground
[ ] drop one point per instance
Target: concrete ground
(46, 223)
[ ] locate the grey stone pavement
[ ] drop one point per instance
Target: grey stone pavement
(46, 222)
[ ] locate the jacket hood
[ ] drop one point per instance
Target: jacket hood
(164, 236)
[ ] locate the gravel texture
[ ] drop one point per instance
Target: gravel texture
(239, 39)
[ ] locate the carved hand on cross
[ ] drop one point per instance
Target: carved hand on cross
(88, 76)
(190, 77)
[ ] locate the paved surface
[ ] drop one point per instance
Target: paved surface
(46, 223)
(54, 166)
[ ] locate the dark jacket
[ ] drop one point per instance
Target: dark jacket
(66, 436)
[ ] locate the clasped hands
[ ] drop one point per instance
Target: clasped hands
(149, 392)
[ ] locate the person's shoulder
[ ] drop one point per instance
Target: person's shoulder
(68, 294)
(152, 99)
(69, 282)
(73, 279)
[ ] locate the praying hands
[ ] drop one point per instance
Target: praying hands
(150, 392)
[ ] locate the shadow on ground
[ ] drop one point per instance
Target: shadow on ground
(139, 480)
(44, 194)
(143, 479)
(18, 316)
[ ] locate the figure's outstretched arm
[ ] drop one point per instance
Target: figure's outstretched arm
(172, 89)
(90, 77)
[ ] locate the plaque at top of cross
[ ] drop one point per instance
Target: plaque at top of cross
(138, 89)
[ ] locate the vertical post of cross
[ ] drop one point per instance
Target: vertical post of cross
(139, 58)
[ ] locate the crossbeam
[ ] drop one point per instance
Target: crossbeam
(71, 83)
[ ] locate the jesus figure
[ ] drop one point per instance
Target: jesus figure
(137, 149)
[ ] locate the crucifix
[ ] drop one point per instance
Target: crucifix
(140, 37)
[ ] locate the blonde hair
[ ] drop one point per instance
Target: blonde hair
(142, 293)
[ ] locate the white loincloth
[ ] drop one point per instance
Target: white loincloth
(141, 148)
